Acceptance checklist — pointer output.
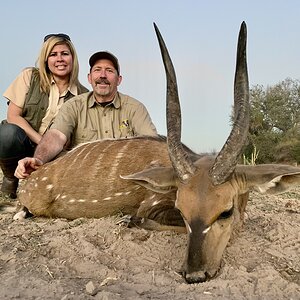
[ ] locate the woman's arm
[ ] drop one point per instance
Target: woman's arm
(14, 116)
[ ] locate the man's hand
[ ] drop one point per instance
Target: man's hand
(26, 166)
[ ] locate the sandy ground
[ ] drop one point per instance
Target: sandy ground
(97, 259)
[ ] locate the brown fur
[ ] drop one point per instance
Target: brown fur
(90, 175)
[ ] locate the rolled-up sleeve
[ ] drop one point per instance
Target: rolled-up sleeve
(18, 89)
(66, 119)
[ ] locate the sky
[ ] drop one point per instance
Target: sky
(201, 37)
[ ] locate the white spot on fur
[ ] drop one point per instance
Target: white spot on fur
(206, 230)
(49, 186)
(127, 193)
(57, 196)
(155, 202)
(154, 163)
(72, 200)
(185, 176)
(44, 178)
(81, 200)
(120, 155)
(94, 201)
(188, 227)
(107, 198)
(153, 196)
(118, 194)
(176, 198)
(114, 166)
(63, 197)
(36, 185)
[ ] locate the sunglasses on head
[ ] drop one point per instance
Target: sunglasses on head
(61, 35)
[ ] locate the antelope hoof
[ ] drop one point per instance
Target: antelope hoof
(195, 277)
(22, 214)
(130, 221)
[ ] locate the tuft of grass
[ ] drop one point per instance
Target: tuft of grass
(252, 159)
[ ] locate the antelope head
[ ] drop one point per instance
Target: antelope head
(206, 189)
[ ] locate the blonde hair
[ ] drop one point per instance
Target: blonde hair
(41, 64)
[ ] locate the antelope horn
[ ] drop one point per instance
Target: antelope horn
(180, 160)
(227, 158)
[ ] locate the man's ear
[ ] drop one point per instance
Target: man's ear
(120, 80)
(89, 78)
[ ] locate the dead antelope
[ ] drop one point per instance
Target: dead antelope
(162, 183)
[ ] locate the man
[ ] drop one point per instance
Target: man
(102, 113)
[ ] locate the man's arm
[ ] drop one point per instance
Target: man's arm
(50, 146)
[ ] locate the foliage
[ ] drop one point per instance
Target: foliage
(275, 122)
(252, 159)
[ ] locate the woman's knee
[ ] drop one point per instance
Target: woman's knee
(12, 138)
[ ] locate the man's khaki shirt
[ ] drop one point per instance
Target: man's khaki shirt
(82, 119)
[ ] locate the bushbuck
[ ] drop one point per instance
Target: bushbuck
(160, 182)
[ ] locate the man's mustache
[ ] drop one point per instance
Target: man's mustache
(102, 81)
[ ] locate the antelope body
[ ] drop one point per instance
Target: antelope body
(86, 182)
(162, 183)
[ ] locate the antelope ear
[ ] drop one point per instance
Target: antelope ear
(160, 179)
(269, 178)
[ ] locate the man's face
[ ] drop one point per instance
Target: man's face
(104, 79)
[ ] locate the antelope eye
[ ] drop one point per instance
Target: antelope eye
(226, 214)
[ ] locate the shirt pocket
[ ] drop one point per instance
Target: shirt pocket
(125, 129)
(84, 135)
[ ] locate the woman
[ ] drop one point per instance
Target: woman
(34, 99)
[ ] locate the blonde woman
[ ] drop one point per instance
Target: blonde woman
(34, 99)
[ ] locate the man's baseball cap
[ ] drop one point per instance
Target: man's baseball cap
(104, 55)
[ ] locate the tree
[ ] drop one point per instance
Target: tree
(275, 122)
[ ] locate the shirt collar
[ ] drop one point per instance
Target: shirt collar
(72, 89)
(116, 102)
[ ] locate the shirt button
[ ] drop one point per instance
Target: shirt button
(104, 115)
(106, 131)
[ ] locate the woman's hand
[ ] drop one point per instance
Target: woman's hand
(26, 166)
